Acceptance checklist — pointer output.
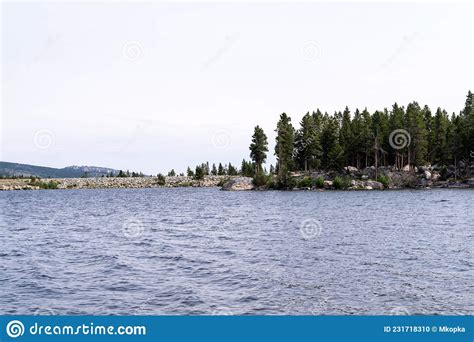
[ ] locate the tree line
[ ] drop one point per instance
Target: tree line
(401, 137)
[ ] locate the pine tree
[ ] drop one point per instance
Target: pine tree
(396, 122)
(258, 148)
(284, 147)
(415, 125)
(199, 173)
(453, 138)
(346, 137)
(429, 124)
(221, 170)
(333, 155)
(307, 144)
(231, 170)
(318, 121)
(380, 132)
(357, 143)
(441, 149)
(367, 137)
(190, 172)
(466, 129)
(247, 169)
(214, 169)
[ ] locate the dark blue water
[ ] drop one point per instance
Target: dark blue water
(204, 251)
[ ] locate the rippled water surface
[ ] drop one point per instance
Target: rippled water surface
(204, 251)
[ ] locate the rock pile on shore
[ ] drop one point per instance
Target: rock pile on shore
(115, 182)
(368, 178)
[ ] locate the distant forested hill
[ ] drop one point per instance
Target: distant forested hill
(15, 169)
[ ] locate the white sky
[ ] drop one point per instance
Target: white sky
(154, 86)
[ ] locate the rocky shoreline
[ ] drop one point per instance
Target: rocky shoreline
(392, 178)
(384, 178)
(366, 179)
(112, 183)
(244, 183)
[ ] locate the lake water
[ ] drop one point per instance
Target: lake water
(203, 251)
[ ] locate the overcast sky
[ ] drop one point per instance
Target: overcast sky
(152, 87)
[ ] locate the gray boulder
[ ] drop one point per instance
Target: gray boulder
(435, 176)
(327, 184)
(356, 184)
(239, 184)
(374, 185)
(425, 168)
(351, 169)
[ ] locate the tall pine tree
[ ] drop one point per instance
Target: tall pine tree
(284, 147)
(307, 145)
(258, 148)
